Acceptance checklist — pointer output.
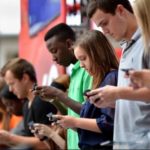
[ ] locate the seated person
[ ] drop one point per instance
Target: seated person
(14, 107)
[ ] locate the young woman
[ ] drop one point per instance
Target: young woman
(142, 11)
(95, 125)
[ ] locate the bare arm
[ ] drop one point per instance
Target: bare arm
(51, 133)
(14, 140)
(74, 105)
(104, 97)
(83, 123)
(140, 78)
(87, 124)
(47, 93)
(134, 94)
(58, 139)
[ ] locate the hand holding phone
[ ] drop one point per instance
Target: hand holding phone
(126, 70)
(85, 92)
(31, 125)
(51, 117)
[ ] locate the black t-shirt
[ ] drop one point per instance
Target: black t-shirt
(37, 113)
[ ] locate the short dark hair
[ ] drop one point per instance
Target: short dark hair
(62, 31)
(107, 6)
(18, 67)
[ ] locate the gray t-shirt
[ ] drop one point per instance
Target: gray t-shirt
(132, 118)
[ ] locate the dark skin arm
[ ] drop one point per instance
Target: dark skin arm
(48, 93)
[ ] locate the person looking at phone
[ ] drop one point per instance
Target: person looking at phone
(141, 78)
(95, 125)
(59, 41)
(20, 76)
(116, 18)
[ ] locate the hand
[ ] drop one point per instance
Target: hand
(5, 137)
(103, 97)
(41, 130)
(66, 121)
(46, 92)
(140, 78)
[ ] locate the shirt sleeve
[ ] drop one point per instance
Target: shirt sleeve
(105, 121)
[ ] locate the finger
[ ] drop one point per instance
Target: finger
(40, 87)
(42, 94)
(58, 116)
(36, 92)
(94, 98)
(36, 125)
(94, 92)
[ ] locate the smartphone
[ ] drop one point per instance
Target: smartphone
(51, 117)
(126, 70)
(85, 92)
(34, 87)
(31, 125)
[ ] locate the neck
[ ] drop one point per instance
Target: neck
(132, 27)
(30, 95)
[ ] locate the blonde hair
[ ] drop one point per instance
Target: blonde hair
(142, 11)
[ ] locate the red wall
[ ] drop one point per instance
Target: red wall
(33, 48)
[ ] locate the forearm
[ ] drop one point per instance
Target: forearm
(58, 140)
(31, 141)
(60, 106)
(134, 94)
(75, 106)
(87, 124)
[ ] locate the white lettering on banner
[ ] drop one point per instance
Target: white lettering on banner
(49, 77)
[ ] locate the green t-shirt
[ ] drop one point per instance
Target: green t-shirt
(79, 82)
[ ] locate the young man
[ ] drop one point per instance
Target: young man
(116, 19)
(20, 76)
(59, 41)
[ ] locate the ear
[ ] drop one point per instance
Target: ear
(120, 10)
(25, 77)
(69, 43)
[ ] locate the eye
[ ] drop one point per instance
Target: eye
(54, 50)
(103, 24)
(82, 58)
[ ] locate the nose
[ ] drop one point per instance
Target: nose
(55, 58)
(82, 65)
